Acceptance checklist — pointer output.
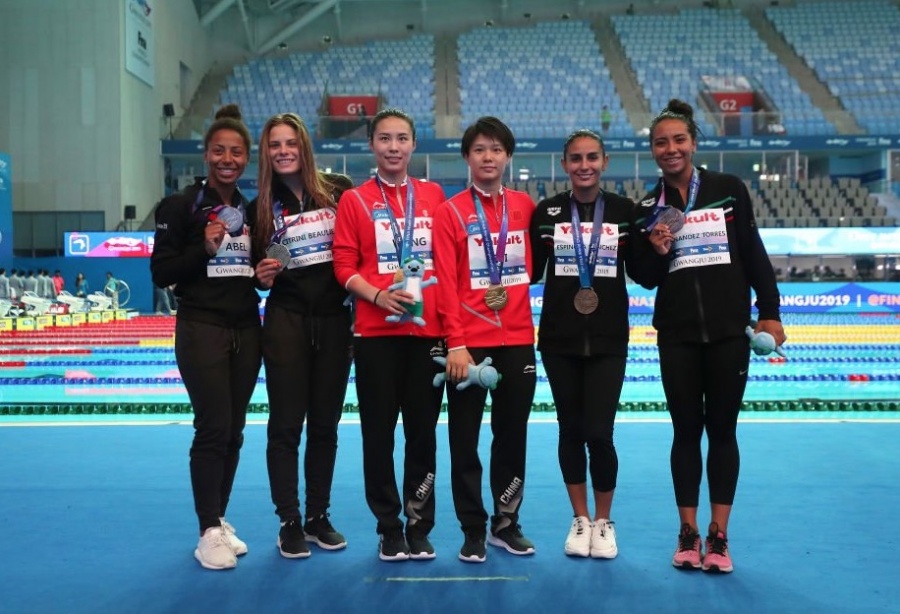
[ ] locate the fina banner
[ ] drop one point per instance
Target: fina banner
(139, 47)
(108, 244)
(796, 297)
(6, 234)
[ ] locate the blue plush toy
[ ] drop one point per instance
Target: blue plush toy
(763, 343)
(482, 374)
(413, 282)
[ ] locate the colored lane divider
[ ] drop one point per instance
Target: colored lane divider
(62, 409)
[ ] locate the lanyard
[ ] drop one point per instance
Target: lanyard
(494, 259)
(587, 264)
(692, 197)
(201, 194)
(278, 213)
(402, 244)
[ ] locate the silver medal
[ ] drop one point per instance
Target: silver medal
(233, 220)
(671, 217)
(280, 253)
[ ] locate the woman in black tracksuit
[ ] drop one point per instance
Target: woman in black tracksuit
(704, 277)
(202, 245)
(306, 331)
(583, 345)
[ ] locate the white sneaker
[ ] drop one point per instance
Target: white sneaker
(603, 540)
(213, 551)
(237, 545)
(578, 543)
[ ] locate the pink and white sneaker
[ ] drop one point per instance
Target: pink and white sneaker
(717, 559)
(687, 553)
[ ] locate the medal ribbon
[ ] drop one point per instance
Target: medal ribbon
(587, 264)
(201, 194)
(402, 244)
(692, 197)
(494, 259)
(280, 226)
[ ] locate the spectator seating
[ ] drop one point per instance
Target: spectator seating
(544, 81)
(401, 72)
(671, 53)
(854, 50)
(818, 202)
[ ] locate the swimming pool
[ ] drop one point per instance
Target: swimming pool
(835, 362)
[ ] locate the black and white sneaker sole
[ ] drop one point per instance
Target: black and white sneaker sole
(292, 555)
(325, 545)
(496, 541)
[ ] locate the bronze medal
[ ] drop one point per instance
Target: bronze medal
(495, 297)
(586, 301)
(398, 276)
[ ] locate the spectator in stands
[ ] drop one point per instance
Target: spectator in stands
(380, 225)
(605, 118)
(306, 340)
(702, 308)
(59, 283)
(4, 284)
(82, 288)
(206, 250)
(483, 262)
(16, 284)
(583, 332)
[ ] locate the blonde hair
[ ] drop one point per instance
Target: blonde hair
(314, 184)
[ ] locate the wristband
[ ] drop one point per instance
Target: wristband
(375, 300)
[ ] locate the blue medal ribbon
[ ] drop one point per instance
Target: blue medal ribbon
(402, 243)
(587, 264)
(494, 259)
(201, 194)
(280, 226)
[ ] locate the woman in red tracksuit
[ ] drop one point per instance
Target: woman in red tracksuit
(483, 262)
(382, 225)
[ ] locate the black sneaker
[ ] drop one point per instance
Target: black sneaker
(420, 547)
(319, 531)
(473, 550)
(291, 541)
(512, 540)
(392, 546)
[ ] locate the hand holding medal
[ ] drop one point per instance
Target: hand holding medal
(672, 218)
(279, 252)
(213, 235)
(232, 218)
